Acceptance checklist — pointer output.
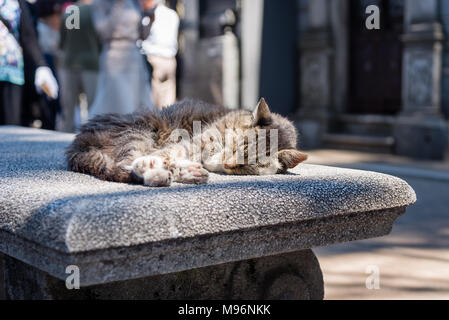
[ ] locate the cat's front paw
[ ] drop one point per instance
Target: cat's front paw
(158, 178)
(152, 170)
(186, 171)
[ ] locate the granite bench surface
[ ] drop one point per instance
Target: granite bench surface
(51, 218)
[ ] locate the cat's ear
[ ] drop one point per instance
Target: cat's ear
(290, 158)
(262, 114)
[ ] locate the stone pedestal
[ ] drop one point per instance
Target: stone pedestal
(292, 276)
(316, 75)
(421, 130)
(422, 136)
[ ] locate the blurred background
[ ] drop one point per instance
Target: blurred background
(345, 86)
(366, 99)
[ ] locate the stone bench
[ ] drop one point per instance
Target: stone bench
(235, 238)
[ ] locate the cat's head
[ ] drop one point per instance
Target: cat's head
(251, 143)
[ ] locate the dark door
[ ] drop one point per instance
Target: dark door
(279, 56)
(376, 58)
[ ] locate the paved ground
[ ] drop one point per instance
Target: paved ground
(413, 261)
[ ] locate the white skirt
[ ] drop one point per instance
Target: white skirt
(123, 81)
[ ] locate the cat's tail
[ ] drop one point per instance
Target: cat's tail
(97, 163)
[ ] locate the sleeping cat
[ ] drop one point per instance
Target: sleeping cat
(182, 143)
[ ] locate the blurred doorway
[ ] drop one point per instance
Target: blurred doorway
(376, 59)
(279, 56)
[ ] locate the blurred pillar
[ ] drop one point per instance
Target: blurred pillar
(190, 20)
(316, 74)
(189, 39)
(210, 53)
(421, 130)
(231, 70)
(252, 31)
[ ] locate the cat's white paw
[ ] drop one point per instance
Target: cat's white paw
(158, 178)
(186, 171)
(152, 170)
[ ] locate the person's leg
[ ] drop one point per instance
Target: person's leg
(169, 86)
(70, 89)
(163, 81)
(11, 103)
(159, 75)
(89, 85)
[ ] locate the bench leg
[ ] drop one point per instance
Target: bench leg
(293, 276)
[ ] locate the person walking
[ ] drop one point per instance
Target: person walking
(17, 37)
(48, 31)
(161, 48)
(79, 71)
(123, 85)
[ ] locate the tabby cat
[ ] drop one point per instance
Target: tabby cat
(182, 143)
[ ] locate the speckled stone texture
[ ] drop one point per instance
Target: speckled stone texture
(290, 276)
(51, 218)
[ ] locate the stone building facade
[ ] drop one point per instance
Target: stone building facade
(347, 76)
(314, 60)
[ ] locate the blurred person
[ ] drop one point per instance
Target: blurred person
(79, 71)
(161, 48)
(123, 84)
(17, 38)
(48, 28)
(35, 110)
(30, 97)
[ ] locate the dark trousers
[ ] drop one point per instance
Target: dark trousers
(10, 103)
